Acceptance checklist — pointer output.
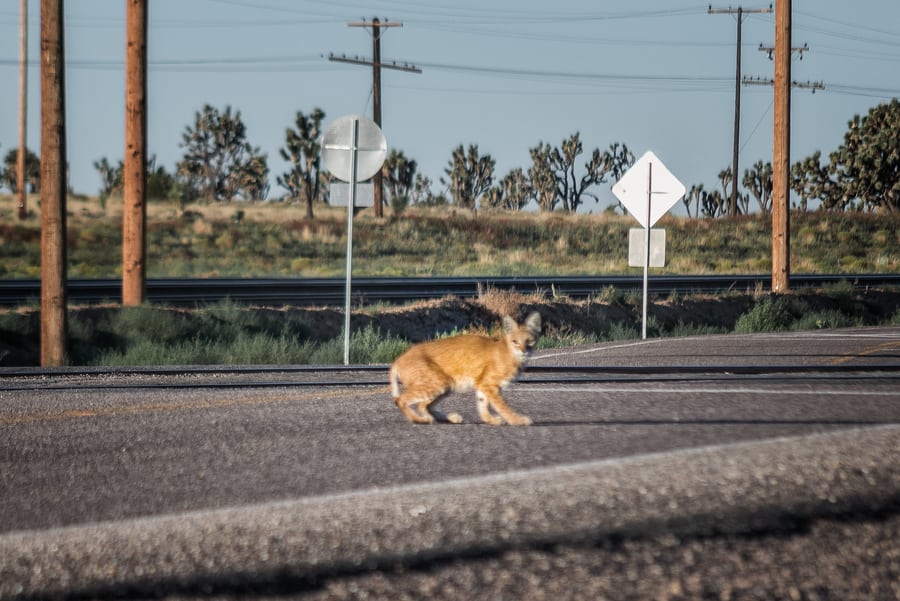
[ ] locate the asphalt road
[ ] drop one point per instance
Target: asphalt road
(663, 485)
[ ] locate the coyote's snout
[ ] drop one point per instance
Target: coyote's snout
(430, 370)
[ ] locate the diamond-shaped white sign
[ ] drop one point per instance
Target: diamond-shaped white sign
(632, 189)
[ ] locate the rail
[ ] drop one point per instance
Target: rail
(323, 376)
(330, 291)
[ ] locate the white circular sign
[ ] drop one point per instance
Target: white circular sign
(337, 148)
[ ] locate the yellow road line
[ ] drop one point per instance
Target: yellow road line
(892, 345)
(282, 397)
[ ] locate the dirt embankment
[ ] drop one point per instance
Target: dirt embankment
(425, 320)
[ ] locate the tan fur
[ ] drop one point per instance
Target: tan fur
(432, 369)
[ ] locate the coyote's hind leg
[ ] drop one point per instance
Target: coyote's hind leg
(409, 403)
(416, 400)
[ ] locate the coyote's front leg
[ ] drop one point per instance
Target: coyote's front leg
(489, 397)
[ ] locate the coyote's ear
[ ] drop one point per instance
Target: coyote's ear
(533, 323)
(509, 324)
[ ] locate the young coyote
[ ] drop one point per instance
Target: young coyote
(432, 369)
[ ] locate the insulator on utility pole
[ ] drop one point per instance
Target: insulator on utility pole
(800, 85)
(770, 50)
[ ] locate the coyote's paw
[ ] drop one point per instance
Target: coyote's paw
(447, 418)
(521, 420)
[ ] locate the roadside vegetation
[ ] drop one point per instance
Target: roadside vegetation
(240, 239)
(277, 240)
(228, 333)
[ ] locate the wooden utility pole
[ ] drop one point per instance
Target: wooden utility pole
(739, 11)
(376, 64)
(23, 108)
(781, 153)
(377, 180)
(134, 184)
(53, 185)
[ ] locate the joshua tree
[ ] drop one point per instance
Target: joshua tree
(302, 151)
(219, 161)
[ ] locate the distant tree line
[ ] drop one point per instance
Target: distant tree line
(219, 164)
(863, 174)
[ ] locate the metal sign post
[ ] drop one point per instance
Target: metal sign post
(647, 247)
(354, 159)
(353, 148)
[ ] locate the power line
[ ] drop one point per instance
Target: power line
(312, 62)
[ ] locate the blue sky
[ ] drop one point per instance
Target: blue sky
(505, 75)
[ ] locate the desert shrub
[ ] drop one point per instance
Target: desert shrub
(12, 323)
(147, 323)
(819, 320)
(572, 338)
(225, 320)
(769, 315)
(370, 346)
(19, 338)
(610, 295)
(683, 330)
(502, 302)
(264, 349)
(366, 346)
(623, 330)
(244, 349)
(148, 352)
(399, 203)
(772, 314)
(838, 288)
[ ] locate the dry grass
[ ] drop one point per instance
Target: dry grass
(276, 240)
(502, 302)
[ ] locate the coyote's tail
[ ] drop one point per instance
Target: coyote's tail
(395, 382)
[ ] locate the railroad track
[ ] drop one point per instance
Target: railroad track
(330, 291)
(301, 376)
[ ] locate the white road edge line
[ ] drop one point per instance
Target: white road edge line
(647, 390)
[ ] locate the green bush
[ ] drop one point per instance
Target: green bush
(683, 330)
(566, 340)
(778, 313)
(399, 204)
(895, 318)
(772, 314)
(823, 320)
(366, 346)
